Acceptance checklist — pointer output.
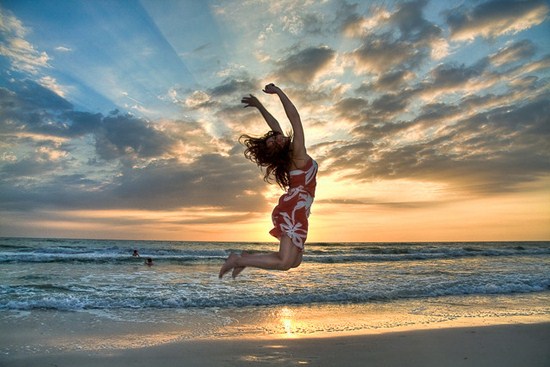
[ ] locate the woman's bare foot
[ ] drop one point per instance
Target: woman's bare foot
(228, 265)
(239, 269)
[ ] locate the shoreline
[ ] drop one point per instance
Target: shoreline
(492, 330)
(122, 328)
(508, 345)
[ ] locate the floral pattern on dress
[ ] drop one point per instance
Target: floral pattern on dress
(290, 216)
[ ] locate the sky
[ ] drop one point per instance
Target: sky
(430, 120)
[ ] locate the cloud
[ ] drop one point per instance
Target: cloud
(125, 135)
(199, 99)
(352, 24)
(392, 204)
(27, 95)
(32, 108)
(481, 143)
(400, 40)
(212, 98)
(224, 183)
(515, 52)
(412, 25)
(63, 49)
(390, 104)
(51, 84)
(535, 67)
(495, 18)
(380, 54)
(234, 86)
(227, 183)
(20, 52)
(126, 162)
(27, 167)
(352, 109)
(493, 151)
(305, 65)
(450, 76)
(391, 81)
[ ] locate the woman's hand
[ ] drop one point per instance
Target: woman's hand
(271, 89)
(251, 101)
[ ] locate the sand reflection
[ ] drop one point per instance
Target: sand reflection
(288, 323)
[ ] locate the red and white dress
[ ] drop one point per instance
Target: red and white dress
(290, 216)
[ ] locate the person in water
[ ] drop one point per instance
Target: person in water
(286, 161)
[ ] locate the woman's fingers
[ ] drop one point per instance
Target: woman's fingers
(249, 101)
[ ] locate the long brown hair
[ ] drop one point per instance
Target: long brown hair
(275, 161)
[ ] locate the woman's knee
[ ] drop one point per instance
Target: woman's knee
(288, 262)
(298, 261)
(285, 267)
(289, 255)
(291, 262)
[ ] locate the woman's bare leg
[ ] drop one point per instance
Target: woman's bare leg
(288, 256)
(229, 264)
(284, 259)
(298, 260)
(239, 269)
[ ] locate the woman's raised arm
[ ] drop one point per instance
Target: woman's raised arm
(252, 101)
(298, 139)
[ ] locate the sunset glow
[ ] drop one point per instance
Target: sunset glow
(429, 120)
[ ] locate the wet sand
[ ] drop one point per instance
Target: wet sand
(520, 341)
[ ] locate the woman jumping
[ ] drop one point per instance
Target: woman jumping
(285, 159)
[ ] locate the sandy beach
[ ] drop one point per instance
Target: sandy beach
(80, 339)
(504, 345)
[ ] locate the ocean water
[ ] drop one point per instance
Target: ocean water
(72, 275)
(59, 296)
